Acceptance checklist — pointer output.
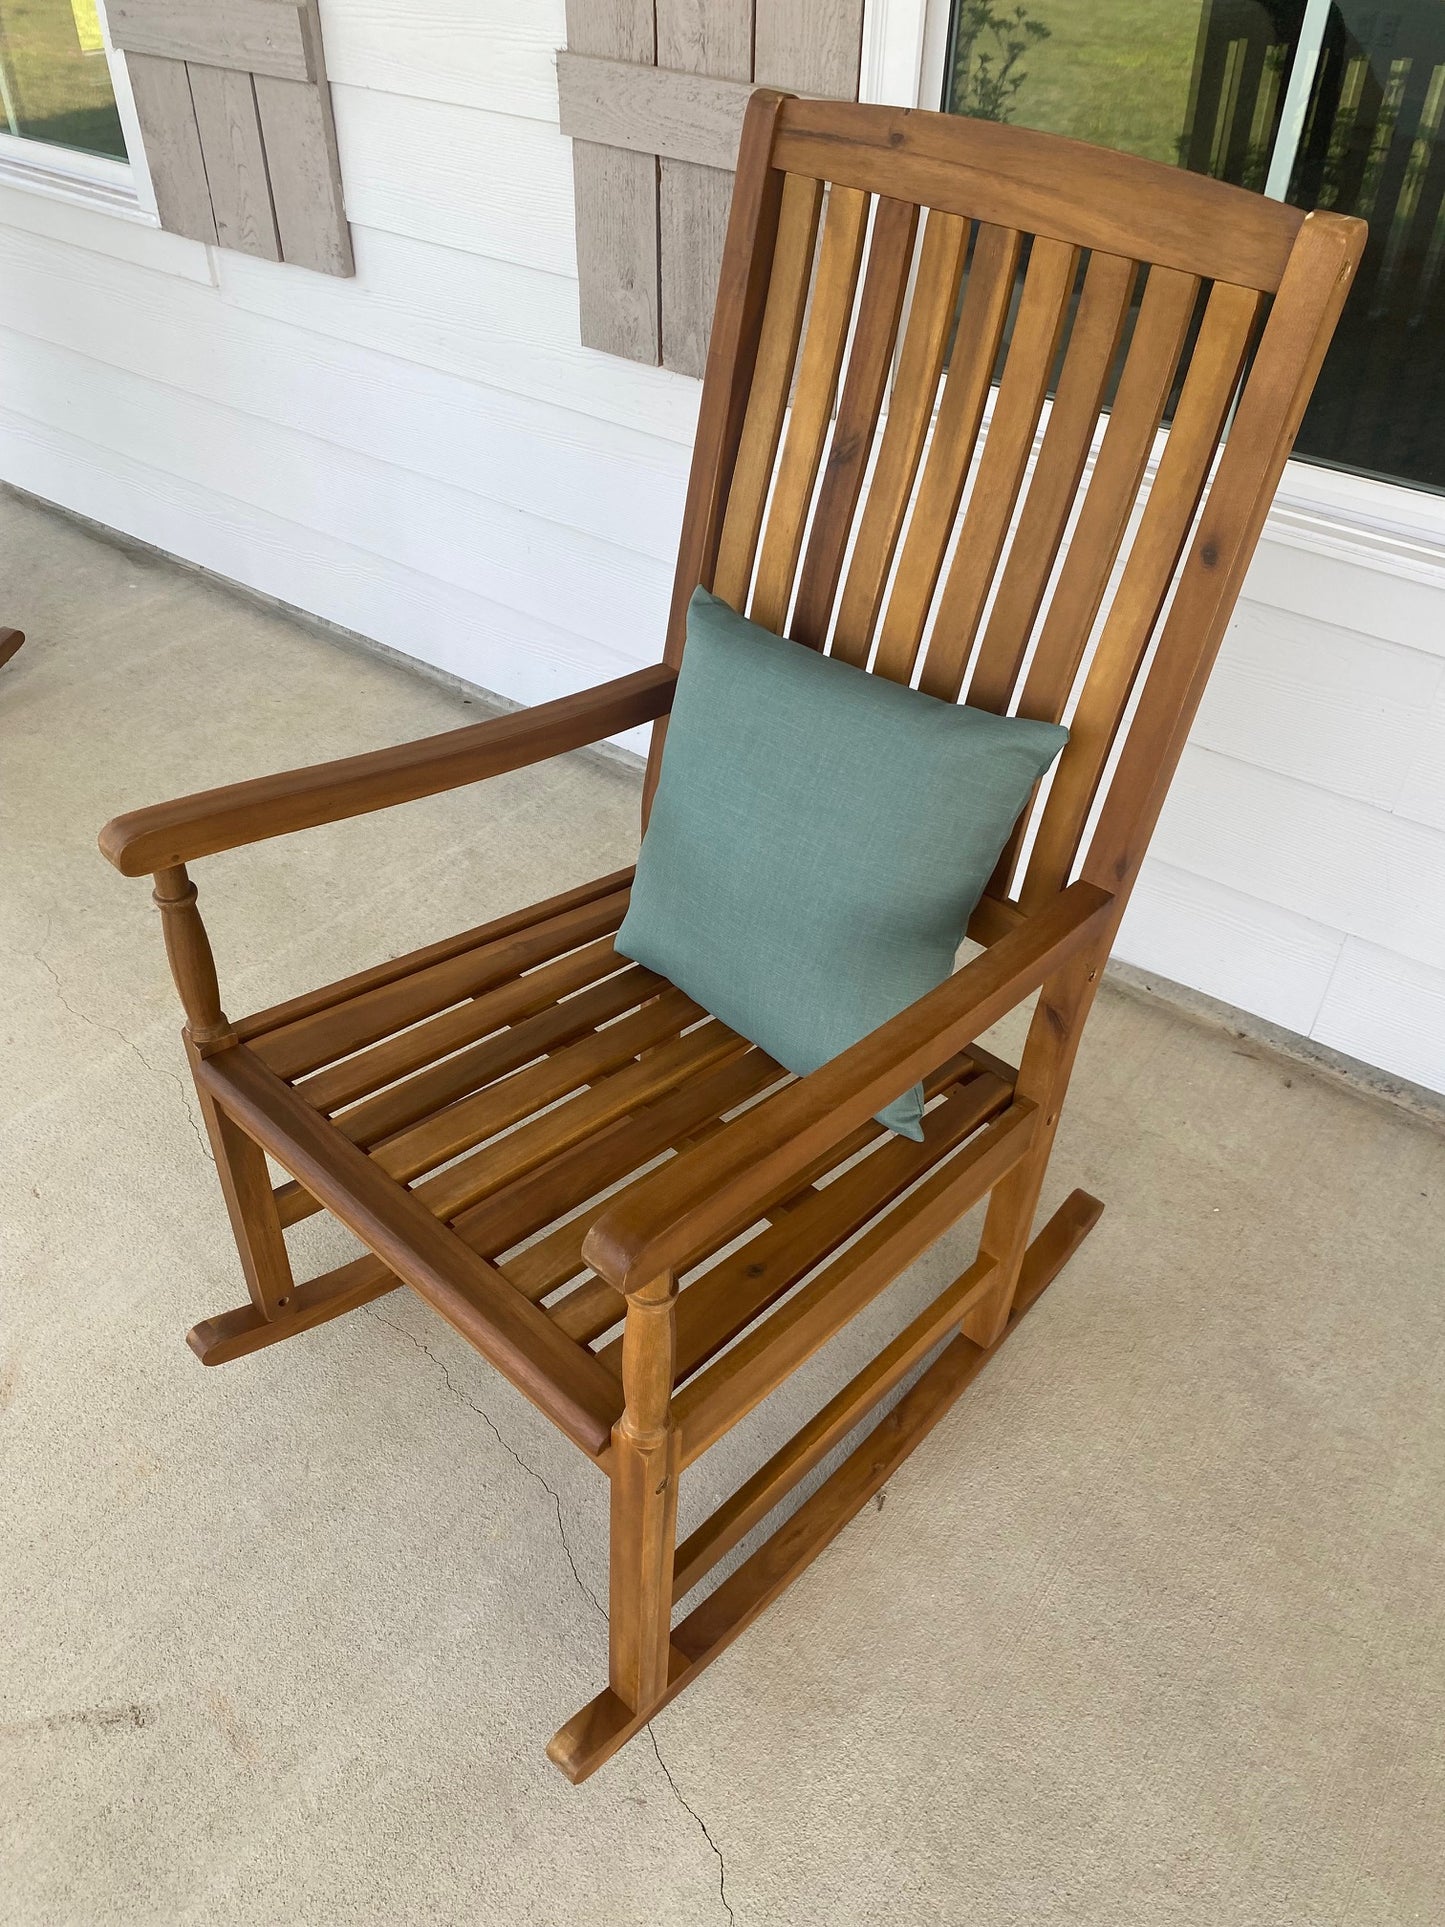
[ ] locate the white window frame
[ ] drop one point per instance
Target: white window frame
(905, 48)
(88, 180)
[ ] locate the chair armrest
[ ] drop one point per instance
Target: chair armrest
(144, 841)
(704, 1195)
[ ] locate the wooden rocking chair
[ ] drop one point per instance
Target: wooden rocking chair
(461, 1108)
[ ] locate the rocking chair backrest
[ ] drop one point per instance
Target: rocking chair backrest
(928, 547)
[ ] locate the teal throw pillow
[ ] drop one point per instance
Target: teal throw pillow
(818, 840)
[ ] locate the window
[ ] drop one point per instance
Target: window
(55, 83)
(1325, 103)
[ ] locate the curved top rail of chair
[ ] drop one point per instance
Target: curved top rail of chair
(1045, 184)
(144, 841)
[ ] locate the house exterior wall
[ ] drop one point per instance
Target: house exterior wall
(426, 455)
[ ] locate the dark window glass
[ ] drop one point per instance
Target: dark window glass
(54, 80)
(1329, 103)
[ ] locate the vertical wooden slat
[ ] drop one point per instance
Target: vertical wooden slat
(302, 160)
(235, 159)
(810, 46)
(910, 411)
(172, 142)
(1307, 307)
(1214, 370)
(839, 259)
(1148, 374)
(305, 175)
(617, 199)
(1088, 361)
(771, 383)
(1144, 384)
(880, 305)
(1038, 327)
(980, 329)
(731, 358)
(713, 37)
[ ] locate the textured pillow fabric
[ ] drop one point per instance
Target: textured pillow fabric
(818, 840)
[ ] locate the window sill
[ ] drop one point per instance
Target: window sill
(84, 180)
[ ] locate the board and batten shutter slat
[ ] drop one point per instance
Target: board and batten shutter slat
(715, 38)
(616, 196)
(653, 94)
(235, 117)
(167, 117)
(230, 129)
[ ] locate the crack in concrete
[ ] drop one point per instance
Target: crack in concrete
(722, 1866)
(99, 1023)
(509, 1449)
(532, 1472)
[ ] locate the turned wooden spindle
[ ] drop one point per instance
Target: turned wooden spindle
(644, 1498)
(192, 966)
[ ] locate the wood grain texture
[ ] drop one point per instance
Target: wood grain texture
(870, 361)
(247, 36)
(931, 314)
(562, 1379)
(679, 116)
(840, 255)
(810, 46)
(1051, 492)
(167, 118)
(981, 320)
(694, 204)
(618, 266)
(1037, 330)
(714, 38)
(1214, 371)
(235, 159)
(1089, 197)
(305, 175)
(769, 388)
(298, 799)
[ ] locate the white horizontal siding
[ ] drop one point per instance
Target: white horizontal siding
(1241, 949)
(489, 320)
(492, 184)
(427, 455)
(436, 622)
(473, 53)
(1387, 1010)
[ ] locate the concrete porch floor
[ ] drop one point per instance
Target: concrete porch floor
(1148, 1631)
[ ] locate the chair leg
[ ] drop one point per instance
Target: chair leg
(1048, 1059)
(251, 1205)
(644, 1471)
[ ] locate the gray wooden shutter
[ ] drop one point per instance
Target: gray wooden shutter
(653, 93)
(235, 115)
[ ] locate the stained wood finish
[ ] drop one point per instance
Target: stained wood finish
(980, 330)
(194, 826)
(10, 641)
(642, 1220)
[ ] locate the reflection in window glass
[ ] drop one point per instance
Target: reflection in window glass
(1202, 83)
(54, 80)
